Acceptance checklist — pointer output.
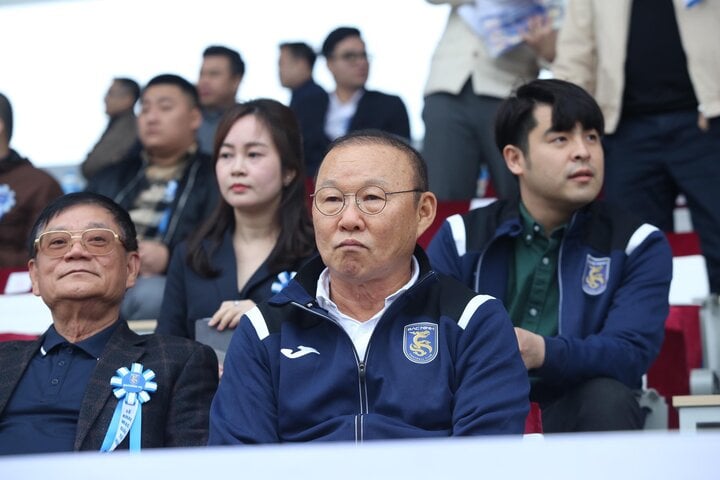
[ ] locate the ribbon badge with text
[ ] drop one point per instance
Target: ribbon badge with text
(132, 388)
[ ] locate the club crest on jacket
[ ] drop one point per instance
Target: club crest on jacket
(420, 342)
(595, 275)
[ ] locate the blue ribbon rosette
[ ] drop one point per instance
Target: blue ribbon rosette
(133, 388)
(281, 281)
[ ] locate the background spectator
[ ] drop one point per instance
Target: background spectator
(120, 135)
(466, 84)
(24, 192)
(220, 76)
(308, 101)
(168, 188)
(351, 107)
(653, 67)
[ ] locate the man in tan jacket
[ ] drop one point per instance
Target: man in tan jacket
(654, 68)
(465, 86)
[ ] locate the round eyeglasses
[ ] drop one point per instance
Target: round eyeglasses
(330, 201)
(97, 241)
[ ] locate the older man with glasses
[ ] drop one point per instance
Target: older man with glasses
(89, 382)
(367, 342)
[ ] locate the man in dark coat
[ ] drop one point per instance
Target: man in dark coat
(88, 378)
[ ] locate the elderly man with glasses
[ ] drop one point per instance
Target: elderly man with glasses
(367, 342)
(89, 382)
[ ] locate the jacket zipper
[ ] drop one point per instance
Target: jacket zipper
(361, 364)
(361, 369)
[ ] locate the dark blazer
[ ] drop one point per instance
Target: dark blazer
(382, 111)
(309, 103)
(375, 110)
(177, 413)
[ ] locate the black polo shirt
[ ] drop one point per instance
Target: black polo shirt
(43, 411)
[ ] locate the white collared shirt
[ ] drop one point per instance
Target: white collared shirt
(339, 114)
(359, 332)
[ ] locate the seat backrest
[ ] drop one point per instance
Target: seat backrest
(14, 280)
(533, 422)
(444, 210)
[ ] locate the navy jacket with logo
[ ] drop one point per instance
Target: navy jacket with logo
(614, 277)
(442, 361)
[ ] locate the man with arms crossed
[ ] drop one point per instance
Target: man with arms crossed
(367, 342)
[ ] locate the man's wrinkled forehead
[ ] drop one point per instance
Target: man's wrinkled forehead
(60, 220)
(372, 164)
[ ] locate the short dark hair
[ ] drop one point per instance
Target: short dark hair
(186, 87)
(296, 239)
(6, 115)
(130, 86)
(337, 36)
(237, 66)
(127, 233)
(380, 137)
(570, 105)
(301, 50)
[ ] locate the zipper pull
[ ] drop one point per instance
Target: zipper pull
(361, 371)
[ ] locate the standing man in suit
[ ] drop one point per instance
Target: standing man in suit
(56, 393)
(220, 75)
(308, 101)
(351, 107)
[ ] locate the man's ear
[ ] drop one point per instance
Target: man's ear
(237, 80)
(330, 65)
(196, 118)
(514, 159)
(32, 268)
(426, 211)
(133, 268)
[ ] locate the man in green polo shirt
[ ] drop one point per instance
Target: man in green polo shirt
(585, 282)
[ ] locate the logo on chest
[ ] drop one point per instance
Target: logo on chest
(596, 274)
(420, 342)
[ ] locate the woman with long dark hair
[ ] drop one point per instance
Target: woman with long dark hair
(260, 232)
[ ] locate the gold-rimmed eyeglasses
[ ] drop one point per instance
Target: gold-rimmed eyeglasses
(330, 201)
(97, 241)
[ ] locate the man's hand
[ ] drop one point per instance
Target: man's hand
(229, 313)
(532, 348)
(541, 37)
(154, 257)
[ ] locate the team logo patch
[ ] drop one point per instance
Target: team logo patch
(420, 342)
(7, 199)
(596, 274)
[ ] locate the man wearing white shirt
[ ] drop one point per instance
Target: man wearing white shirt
(367, 342)
(351, 106)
